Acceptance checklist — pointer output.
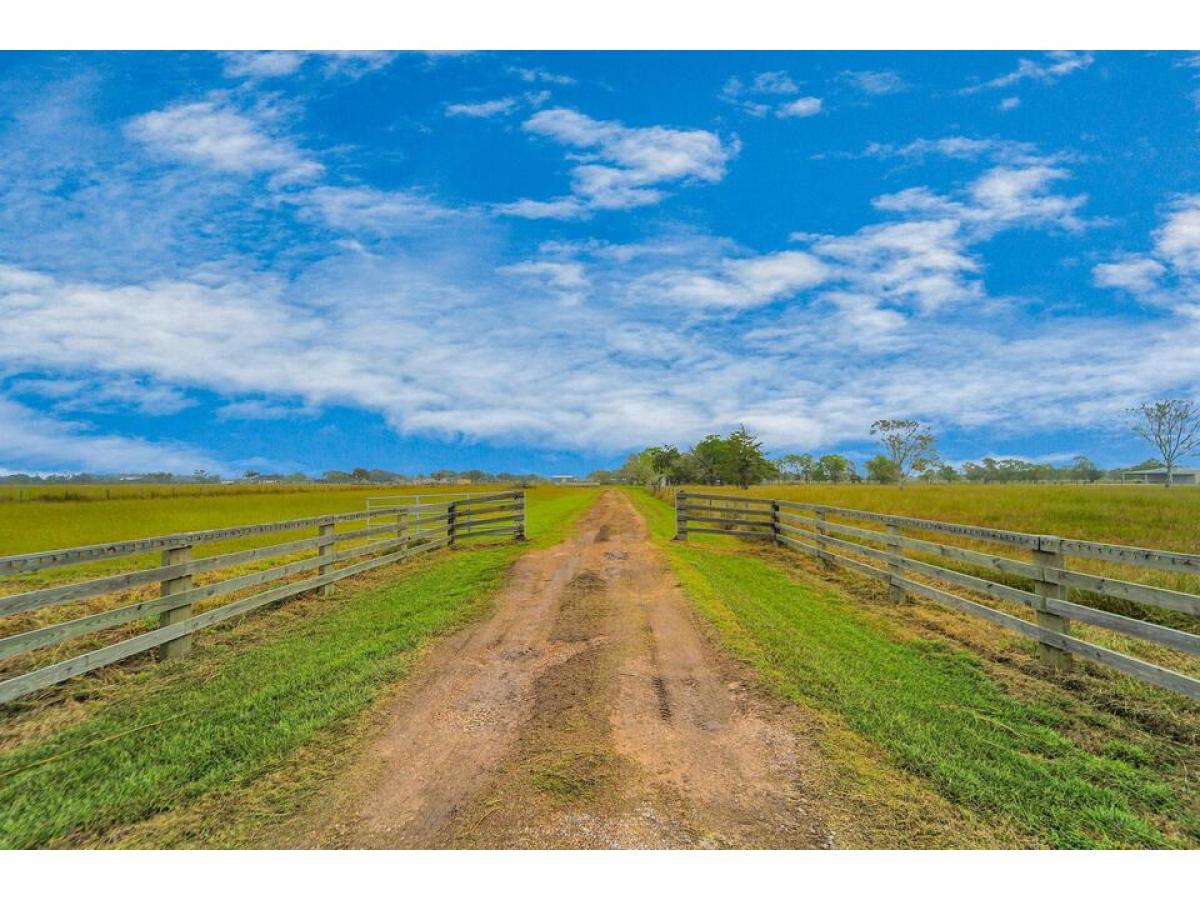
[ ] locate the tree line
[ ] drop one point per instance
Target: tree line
(908, 450)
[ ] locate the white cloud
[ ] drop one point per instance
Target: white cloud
(483, 110)
(1169, 275)
(33, 440)
(774, 83)
(1048, 70)
(117, 395)
(1008, 104)
(1002, 197)
(568, 276)
(1178, 240)
(799, 108)
(876, 83)
(560, 208)
(1137, 275)
(541, 75)
(621, 167)
(962, 147)
(761, 96)
(375, 211)
(262, 64)
(214, 134)
(733, 283)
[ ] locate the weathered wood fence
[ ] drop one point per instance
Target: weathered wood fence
(404, 531)
(814, 529)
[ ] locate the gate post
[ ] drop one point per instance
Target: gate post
(325, 533)
(775, 532)
(181, 646)
(680, 516)
(523, 514)
(451, 521)
(1048, 555)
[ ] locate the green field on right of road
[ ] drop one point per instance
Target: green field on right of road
(933, 707)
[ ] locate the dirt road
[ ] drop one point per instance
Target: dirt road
(590, 710)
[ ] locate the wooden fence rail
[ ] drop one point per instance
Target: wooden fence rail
(808, 528)
(405, 530)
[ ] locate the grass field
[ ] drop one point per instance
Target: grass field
(270, 699)
(1142, 515)
(1067, 770)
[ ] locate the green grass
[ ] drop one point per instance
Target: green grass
(232, 712)
(932, 706)
(1142, 515)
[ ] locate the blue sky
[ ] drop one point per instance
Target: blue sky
(540, 261)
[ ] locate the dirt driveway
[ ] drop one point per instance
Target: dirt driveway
(589, 710)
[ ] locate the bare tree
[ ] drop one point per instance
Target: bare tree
(1172, 427)
(909, 445)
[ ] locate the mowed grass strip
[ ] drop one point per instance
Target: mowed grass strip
(227, 715)
(931, 706)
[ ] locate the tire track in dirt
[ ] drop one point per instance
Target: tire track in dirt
(590, 710)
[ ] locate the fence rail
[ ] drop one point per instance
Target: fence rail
(809, 528)
(408, 530)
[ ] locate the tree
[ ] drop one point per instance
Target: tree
(881, 469)
(638, 469)
(908, 443)
(665, 462)
(1172, 427)
(948, 473)
(360, 474)
(798, 465)
(743, 461)
(832, 467)
(709, 455)
(1083, 469)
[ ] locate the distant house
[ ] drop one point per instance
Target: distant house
(562, 479)
(1159, 476)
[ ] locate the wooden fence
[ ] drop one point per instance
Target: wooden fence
(814, 529)
(404, 531)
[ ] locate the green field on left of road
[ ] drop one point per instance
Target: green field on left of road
(239, 708)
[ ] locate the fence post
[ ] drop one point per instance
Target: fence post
(822, 532)
(325, 550)
(181, 646)
(522, 521)
(1048, 555)
(680, 516)
(775, 522)
(451, 521)
(895, 569)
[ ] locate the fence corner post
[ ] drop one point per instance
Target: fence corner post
(451, 521)
(895, 566)
(680, 516)
(775, 531)
(325, 544)
(180, 646)
(1048, 555)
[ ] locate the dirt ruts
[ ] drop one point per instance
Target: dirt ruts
(589, 710)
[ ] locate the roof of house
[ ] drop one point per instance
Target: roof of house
(1162, 470)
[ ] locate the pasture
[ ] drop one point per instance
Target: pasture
(1105, 763)
(1142, 515)
(934, 729)
(112, 750)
